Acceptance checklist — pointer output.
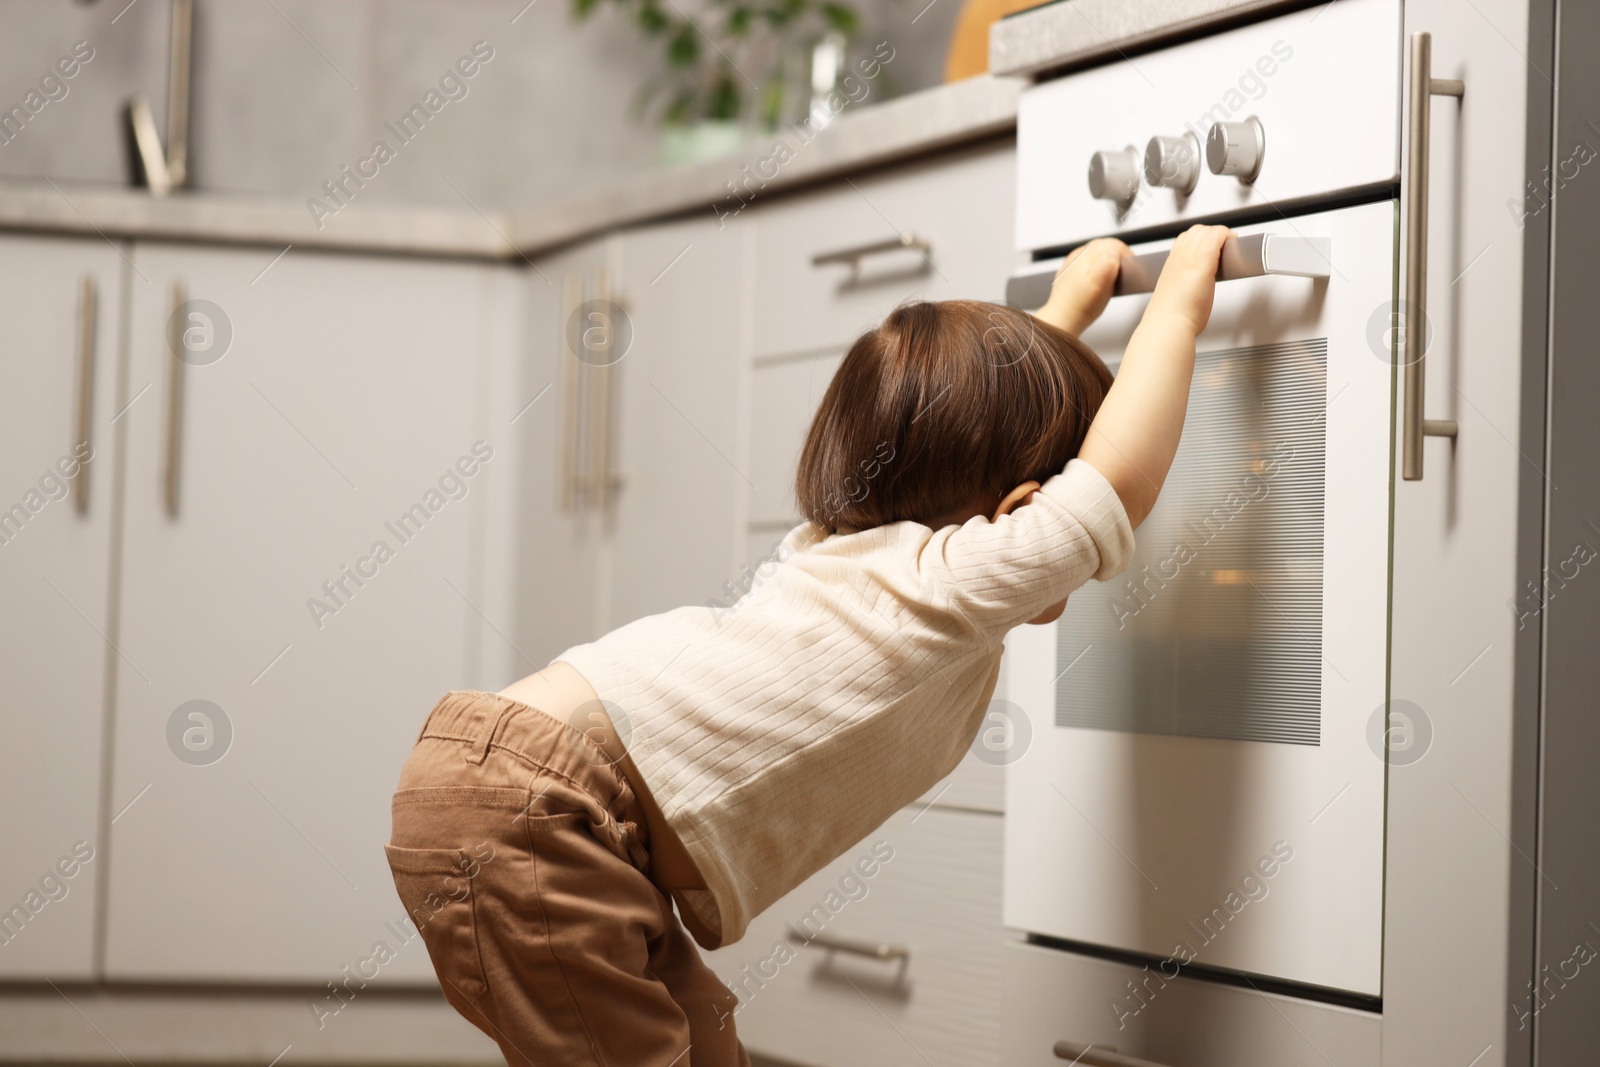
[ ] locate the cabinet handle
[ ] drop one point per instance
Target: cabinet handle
(1098, 1056)
(599, 475)
(571, 296)
(586, 475)
(178, 77)
(147, 143)
(173, 479)
(83, 431)
(1424, 87)
(855, 255)
(851, 946)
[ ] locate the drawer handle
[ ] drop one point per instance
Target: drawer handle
(1098, 1056)
(852, 946)
(854, 256)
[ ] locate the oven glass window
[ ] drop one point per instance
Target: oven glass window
(1215, 629)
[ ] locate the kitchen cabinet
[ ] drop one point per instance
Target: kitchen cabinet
(938, 899)
(922, 893)
(61, 302)
(281, 418)
(634, 487)
(953, 216)
(680, 389)
(304, 566)
(560, 544)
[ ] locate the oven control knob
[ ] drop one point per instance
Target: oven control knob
(1114, 175)
(1236, 148)
(1173, 163)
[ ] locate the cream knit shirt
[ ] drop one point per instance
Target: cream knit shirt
(779, 731)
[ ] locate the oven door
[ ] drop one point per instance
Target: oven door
(1205, 778)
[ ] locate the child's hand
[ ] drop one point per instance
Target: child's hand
(1083, 285)
(1188, 281)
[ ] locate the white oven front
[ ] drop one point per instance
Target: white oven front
(1205, 778)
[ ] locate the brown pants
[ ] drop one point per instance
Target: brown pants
(520, 853)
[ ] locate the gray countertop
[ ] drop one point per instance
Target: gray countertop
(1075, 32)
(913, 125)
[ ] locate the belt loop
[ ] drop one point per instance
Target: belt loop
(480, 746)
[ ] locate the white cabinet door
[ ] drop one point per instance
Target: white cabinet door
(677, 512)
(57, 401)
(632, 491)
(560, 535)
(305, 500)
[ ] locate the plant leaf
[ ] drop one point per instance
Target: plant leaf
(725, 99)
(684, 47)
(651, 20)
(680, 110)
(772, 103)
(841, 17)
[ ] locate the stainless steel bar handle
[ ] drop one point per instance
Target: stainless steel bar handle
(856, 254)
(852, 946)
(1423, 88)
(181, 68)
(83, 429)
(172, 481)
(147, 142)
(1252, 256)
(570, 366)
(1098, 1056)
(599, 474)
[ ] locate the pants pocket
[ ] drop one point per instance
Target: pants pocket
(435, 885)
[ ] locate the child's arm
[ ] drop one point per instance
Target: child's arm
(1135, 433)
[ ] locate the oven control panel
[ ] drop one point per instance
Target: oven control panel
(1275, 112)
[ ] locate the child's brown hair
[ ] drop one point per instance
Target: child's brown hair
(944, 404)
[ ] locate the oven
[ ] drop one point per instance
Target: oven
(1203, 788)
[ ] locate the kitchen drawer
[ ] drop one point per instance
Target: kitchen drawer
(974, 784)
(1050, 995)
(937, 894)
(960, 203)
(784, 397)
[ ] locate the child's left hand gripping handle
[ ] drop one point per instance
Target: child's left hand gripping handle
(1083, 285)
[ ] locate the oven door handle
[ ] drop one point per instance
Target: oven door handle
(1252, 256)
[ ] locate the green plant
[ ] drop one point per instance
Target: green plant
(736, 59)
